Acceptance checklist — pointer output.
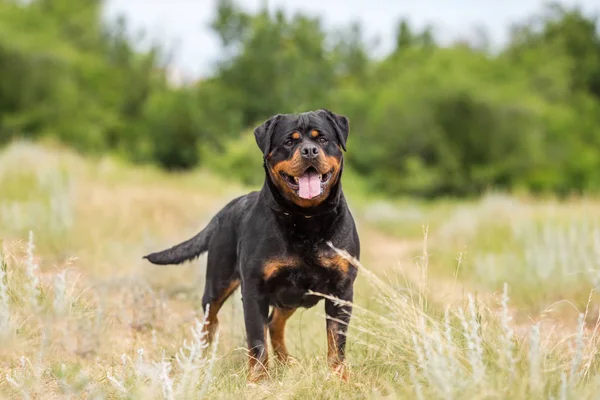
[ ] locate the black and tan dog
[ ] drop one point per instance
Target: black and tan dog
(274, 243)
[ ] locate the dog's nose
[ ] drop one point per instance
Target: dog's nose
(309, 151)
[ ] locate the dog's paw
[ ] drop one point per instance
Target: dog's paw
(340, 371)
(257, 374)
(287, 359)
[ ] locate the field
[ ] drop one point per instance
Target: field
(488, 298)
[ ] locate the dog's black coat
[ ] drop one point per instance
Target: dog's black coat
(253, 230)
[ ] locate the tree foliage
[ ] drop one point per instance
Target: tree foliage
(426, 119)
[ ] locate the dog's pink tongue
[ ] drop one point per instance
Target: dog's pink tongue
(310, 185)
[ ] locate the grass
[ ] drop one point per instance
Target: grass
(545, 250)
(82, 315)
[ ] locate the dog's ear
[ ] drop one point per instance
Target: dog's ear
(341, 125)
(264, 133)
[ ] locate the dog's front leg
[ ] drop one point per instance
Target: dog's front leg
(338, 319)
(256, 312)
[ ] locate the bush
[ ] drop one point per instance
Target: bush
(240, 159)
(442, 125)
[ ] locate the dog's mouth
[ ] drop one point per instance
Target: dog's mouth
(310, 184)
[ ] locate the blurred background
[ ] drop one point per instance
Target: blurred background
(443, 100)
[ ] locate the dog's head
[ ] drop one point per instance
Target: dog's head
(303, 154)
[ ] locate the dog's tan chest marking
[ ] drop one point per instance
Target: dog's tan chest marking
(329, 261)
(335, 262)
(274, 265)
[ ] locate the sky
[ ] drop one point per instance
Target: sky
(183, 24)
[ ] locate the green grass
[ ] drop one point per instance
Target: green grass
(93, 309)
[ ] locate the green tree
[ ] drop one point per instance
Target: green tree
(276, 65)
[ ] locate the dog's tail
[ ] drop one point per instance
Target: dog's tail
(187, 250)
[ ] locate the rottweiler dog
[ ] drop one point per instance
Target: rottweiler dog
(275, 243)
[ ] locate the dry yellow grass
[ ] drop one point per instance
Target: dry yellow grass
(100, 316)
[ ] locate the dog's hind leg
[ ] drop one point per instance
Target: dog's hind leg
(214, 304)
(221, 281)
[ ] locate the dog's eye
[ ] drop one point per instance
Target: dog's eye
(322, 140)
(288, 142)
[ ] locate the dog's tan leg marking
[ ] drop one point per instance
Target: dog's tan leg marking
(277, 332)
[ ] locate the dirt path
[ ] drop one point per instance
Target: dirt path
(407, 260)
